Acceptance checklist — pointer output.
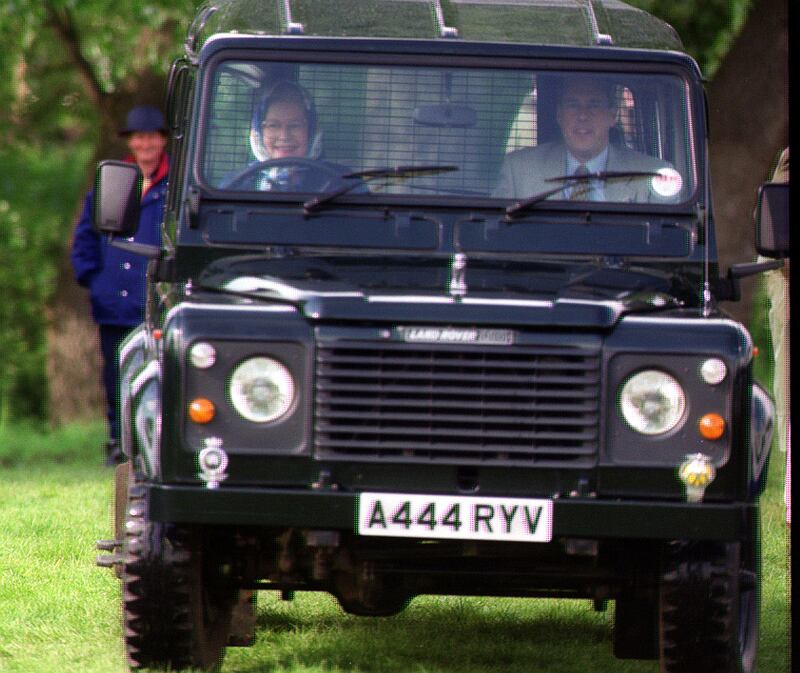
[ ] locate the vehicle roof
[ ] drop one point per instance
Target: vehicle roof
(545, 22)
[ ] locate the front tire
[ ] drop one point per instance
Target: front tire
(709, 601)
(176, 611)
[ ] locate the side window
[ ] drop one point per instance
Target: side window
(523, 130)
(181, 86)
(628, 124)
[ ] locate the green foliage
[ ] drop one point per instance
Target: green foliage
(27, 445)
(50, 109)
(707, 28)
(33, 225)
(764, 363)
(44, 101)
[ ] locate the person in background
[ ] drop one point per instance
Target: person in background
(777, 286)
(116, 279)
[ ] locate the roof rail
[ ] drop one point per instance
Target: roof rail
(444, 31)
(291, 27)
(598, 37)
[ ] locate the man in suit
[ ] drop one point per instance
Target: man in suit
(586, 113)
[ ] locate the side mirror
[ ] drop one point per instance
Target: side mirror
(772, 220)
(117, 198)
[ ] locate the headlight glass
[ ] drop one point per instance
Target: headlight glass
(652, 402)
(262, 389)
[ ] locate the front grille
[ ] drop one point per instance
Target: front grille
(527, 404)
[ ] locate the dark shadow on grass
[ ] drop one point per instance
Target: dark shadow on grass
(454, 637)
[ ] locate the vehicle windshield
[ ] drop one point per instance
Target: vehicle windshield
(456, 134)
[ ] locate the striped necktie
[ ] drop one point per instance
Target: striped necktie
(580, 188)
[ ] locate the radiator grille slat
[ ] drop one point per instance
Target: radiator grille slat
(336, 420)
(454, 391)
(585, 403)
(458, 404)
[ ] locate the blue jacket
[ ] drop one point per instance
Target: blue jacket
(116, 279)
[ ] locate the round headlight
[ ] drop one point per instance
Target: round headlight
(652, 402)
(261, 389)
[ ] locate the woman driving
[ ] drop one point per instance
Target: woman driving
(287, 144)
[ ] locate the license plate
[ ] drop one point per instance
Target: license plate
(455, 517)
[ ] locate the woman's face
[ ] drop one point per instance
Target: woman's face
(285, 130)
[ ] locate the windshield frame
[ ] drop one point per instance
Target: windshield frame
(454, 54)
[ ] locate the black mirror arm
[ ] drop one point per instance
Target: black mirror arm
(143, 249)
(729, 289)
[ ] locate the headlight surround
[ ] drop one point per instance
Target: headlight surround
(652, 402)
(262, 390)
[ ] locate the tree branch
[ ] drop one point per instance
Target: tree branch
(61, 21)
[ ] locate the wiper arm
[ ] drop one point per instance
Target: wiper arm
(360, 177)
(567, 181)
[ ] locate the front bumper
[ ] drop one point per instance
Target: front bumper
(327, 509)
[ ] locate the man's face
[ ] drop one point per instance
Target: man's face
(285, 130)
(585, 116)
(146, 147)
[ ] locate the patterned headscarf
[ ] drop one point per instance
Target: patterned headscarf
(285, 90)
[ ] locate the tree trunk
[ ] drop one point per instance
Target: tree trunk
(749, 122)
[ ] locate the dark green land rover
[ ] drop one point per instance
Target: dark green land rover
(436, 311)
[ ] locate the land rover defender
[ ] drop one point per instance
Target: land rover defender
(369, 369)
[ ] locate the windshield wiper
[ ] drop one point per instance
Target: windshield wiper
(567, 180)
(360, 177)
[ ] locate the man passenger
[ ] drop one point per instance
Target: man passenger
(586, 112)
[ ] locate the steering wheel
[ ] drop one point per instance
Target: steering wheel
(325, 171)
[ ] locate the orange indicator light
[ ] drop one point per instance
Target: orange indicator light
(712, 426)
(202, 410)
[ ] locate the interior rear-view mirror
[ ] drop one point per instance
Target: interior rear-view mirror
(450, 115)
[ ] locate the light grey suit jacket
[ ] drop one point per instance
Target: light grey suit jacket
(524, 172)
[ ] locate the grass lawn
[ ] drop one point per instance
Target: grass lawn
(60, 613)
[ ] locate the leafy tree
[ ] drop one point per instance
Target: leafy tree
(75, 67)
(707, 28)
(77, 64)
(30, 239)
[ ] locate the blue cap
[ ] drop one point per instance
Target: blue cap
(144, 118)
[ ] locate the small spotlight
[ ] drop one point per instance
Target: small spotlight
(202, 355)
(713, 371)
(696, 472)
